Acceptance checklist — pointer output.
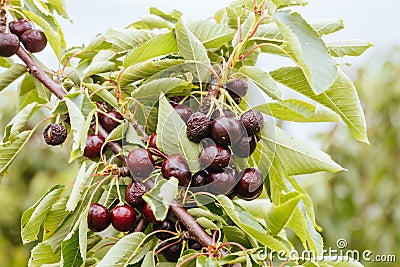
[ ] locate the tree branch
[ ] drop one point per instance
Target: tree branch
(188, 221)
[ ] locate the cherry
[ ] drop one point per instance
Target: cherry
(18, 27)
(34, 40)
(9, 44)
(134, 194)
(173, 252)
(250, 184)
(99, 218)
(183, 111)
(140, 163)
(123, 218)
(215, 157)
(222, 182)
(199, 179)
(217, 113)
(108, 123)
(54, 134)
(253, 121)
(245, 147)
(148, 214)
(94, 143)
(153, 141)
(198, 127)
(238, 87)
(227, 130)
(166, 225)
(176, 166)
(194, 245)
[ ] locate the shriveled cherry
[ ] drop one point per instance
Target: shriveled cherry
(140, 163)
(123, 218)
(215, 157)
(99, 218)
(94, 143)
(250, 184)
(176, 166)
(54, 134)
(134, 194)
(198, 127)
(253, 121)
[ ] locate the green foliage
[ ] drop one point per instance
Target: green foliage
(137, 70)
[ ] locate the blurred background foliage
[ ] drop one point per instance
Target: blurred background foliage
(361, 205)
(35, 169)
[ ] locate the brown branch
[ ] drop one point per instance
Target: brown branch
(188, 221)
(3, 20)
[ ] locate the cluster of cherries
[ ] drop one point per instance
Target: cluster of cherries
(34, 40)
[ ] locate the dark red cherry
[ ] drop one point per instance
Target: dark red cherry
(227, 130)
(198, 127)
(253, 121)
(18, 27)
(183, 111)
(215, 157)
(34, 40)
(148, 214)
(9, 44)
(245, 147)
(194, 245)
(134, 194)
(153, 141)
(140, 163)
(222, 182)
(108, 123)
(166, 225)
(123, 218)
(176, 166)
(99, 218)
(199, 179)
(250, 184)
(173, 252)
(238, 87)
(217, 114)
(94, 143)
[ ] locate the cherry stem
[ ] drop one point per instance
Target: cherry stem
(157, 152)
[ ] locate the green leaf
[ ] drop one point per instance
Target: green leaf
(341, 97)
(295, 156)
(298, 111)
(103, 94)
(159, 45)
(43, 254)
(205, 213)
(59, 7)
(9, 150)
(161, 196)
(309, 51)
(70, 251)
(33, 218)
(150, 92)
(212, 35)
(172, 138)
(279, 215)
(149, 259)
(204, 261)
(6, 62)
(82, 181)
(117, 133)
(40, 15)
(151, 22)
(122, 252)
(83, 236)
(338, 261)
(192, 48)
(55, 217)
(351, 48)
(287, 3)
(11, 74)
(234, 234)
(262, 79)
(147, 69)
(326, 27)
(14, 127)
(173, 16)
(246, 222)
(123, 40)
